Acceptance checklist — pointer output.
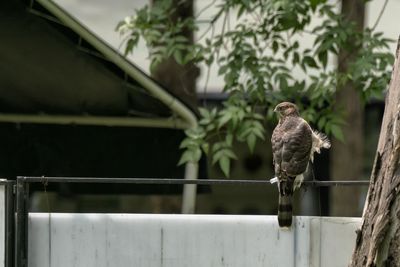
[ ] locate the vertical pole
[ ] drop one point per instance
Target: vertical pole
(9, 224)
(21, 235)
(3, 184)
(189, 190)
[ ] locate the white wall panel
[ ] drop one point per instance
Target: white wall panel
(101, 240)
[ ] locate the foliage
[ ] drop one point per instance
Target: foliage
(257, 59)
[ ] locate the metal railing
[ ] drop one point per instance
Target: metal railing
(169, 181)
(9, 221)
(20, 189)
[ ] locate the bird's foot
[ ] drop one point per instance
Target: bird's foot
(297, 182)
(273, 180)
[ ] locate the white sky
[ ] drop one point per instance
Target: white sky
(102, 16)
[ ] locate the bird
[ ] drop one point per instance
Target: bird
(294, 143)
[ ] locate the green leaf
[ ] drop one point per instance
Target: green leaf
(178, 56)
(251, 142)
(222, 70)
(275, 46)
(224, 164)
(310, 62)
(188, 142)
(186, 157)
(196, 154)
(210, 127)
(321, 122)
(296, 58)
(205, 147)
(154, 63)
(240, 11)
(229, 153)
(195, 133)
(224, 119)
(315, 3)
(258, 116)
(259, 133)
(323, 58)
(224, 152)
(210, 60)
(190, 155)
(181, 39)
(204, 112)
(229, 139)
(337, 132)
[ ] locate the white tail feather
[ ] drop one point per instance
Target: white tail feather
(319, 140)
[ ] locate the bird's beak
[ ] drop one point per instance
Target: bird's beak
(275, 109)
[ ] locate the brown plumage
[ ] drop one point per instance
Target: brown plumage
(293, 143)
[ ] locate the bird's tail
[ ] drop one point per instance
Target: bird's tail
(285, 201)
(285, 210)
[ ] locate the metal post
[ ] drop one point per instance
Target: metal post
(21, 235)
(3, 185)
(9, 224)
(190, 190)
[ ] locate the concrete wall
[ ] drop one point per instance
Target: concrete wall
(187, 240)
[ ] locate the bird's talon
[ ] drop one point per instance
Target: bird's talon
(273, 180)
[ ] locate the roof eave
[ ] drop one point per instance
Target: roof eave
(177, 106)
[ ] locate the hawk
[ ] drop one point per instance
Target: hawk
(293, 146)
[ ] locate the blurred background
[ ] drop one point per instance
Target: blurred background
(68, 110)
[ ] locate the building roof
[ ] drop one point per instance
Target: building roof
(55, 70)
(66, 86)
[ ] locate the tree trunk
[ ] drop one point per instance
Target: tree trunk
(181, 81)
(378, 241)
(347, 157)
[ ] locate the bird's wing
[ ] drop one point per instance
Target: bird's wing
(296, 147)
(277, 144)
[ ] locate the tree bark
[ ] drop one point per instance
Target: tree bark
(347, 157)
(180, 79)
(378, 240)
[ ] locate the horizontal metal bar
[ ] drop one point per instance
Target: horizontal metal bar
(170, 122)
(169, 181)
(5, 181)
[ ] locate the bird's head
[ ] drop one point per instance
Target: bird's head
(286, 109)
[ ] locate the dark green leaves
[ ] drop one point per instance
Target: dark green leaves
(219, 130)
(223, 154)
(250, 131)
(192, 145)
(258, 59)
(315, 3)
(162, 35)
(309, 62)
